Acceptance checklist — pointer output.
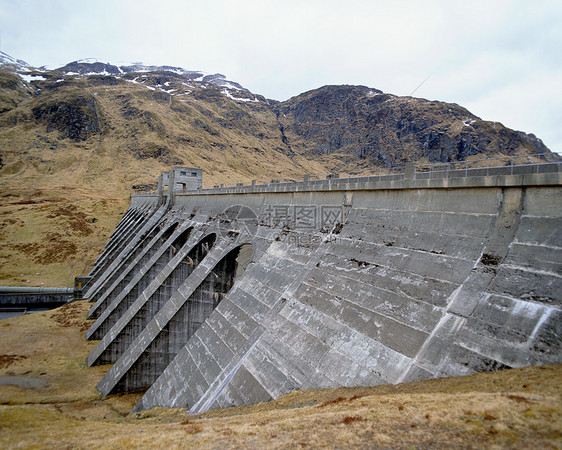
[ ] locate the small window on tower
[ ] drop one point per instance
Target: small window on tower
(183, 172)
(193, 174)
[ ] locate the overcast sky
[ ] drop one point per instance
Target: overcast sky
(501, 59)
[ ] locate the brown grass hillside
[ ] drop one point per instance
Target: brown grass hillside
(48, 400)
(65, 177)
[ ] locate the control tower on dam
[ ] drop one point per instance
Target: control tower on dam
(230, 296)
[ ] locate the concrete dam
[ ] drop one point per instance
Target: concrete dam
(230, 296)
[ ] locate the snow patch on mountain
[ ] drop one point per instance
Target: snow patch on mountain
(238, 99)
(16, 65)
(91, 61)
(93, 66)
(230, 85)
(30, 78)
(149, 76)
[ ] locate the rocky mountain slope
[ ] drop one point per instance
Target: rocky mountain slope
(358, 123)
(75, 141)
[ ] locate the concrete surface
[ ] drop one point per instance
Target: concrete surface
(339, 282)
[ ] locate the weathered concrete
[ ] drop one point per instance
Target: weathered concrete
(135, 265)
(144, 306)
(338, 282)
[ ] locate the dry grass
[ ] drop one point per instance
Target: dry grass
(49, 346)
(52, 187)
(514, 408)
(49, 234)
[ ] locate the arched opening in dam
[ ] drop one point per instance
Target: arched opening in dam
(187, 320)
(167, 234)
(216, 286)
(161, 262)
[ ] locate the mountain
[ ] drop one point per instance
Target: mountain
(17, 65)
(360, 123)
(95, 67)
(333, 126)
(77, 140)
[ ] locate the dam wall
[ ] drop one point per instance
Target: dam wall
(233, 296)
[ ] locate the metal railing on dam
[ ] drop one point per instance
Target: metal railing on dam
(508, 165)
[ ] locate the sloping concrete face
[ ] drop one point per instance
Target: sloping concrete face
(346, 287)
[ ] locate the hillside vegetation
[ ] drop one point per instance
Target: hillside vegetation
(76, 141)
(70, 161)
(48, 400)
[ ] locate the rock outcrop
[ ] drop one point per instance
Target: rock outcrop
(340, 127)
(76, 118)
(357, 122)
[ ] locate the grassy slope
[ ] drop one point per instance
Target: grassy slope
(513, 408)
(50, 233)
(51, 188)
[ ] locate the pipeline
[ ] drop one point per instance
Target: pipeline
(34, 297)
(34, 290)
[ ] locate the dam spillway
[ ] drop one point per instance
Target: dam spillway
(232, 296)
